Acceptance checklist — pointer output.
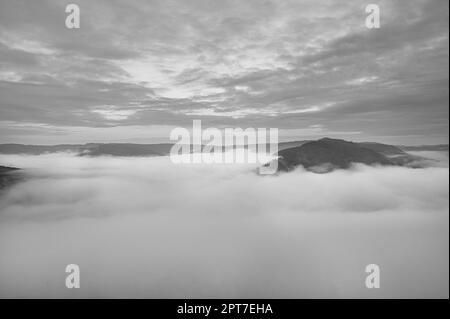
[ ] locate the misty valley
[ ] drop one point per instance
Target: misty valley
(145, 227)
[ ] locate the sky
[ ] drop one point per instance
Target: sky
(137, 69)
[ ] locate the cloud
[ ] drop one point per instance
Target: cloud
(176, 58)
(143, 227)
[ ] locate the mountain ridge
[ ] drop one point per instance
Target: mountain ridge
(161, 149)
(327, 154)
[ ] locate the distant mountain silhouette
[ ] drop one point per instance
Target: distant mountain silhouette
(42, 149)
(127, 149)
(113, 149)
(319, 156)
(131, 149)
(327, 154)
(439, 148)
(91, 149)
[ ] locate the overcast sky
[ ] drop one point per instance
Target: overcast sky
(135, 69)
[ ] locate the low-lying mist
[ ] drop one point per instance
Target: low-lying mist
(145, 227)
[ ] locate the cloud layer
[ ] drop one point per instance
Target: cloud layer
(289, 64)
(142, 227)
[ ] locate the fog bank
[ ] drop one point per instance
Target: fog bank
(145, 227)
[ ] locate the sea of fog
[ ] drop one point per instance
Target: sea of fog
(145, 227)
